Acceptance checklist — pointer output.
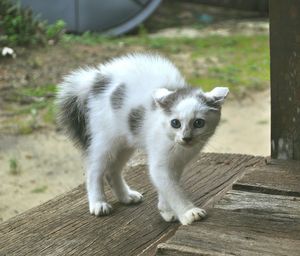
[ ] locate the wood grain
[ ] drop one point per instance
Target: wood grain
(63, 225)
(248, 222)
(276, 177)
(227, 232)
(284, 207)
(285, 78)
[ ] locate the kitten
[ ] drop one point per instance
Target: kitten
(138, 101)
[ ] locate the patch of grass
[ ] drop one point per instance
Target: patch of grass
(87, 38)
(41, 189)
(29, 124)
(19, 125)
(243, 61)
(25, 99)
(262, 122)
(14, 168)
(43, 99)
(32, 108)
(25, 128)
(38, 91)
(49, 113)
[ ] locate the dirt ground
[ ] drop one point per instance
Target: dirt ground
(36, 167)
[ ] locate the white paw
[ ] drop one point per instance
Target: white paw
(168, 216)
(133, 197)
(192, 215)
(100, 208)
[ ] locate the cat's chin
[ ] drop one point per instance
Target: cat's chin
(185, 145)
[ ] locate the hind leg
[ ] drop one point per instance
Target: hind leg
(116, 180)
(98, 160)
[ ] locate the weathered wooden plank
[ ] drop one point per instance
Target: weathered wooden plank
(285, 78)
(276, 177)
(248, 223)
(64, 226)
(227, 232)
(261, 204)
(209, 176)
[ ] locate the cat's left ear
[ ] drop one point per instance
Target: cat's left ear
(217, 96)
(162, 98)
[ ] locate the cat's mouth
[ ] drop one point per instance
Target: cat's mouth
(186, 144)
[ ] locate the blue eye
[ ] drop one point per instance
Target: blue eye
(175, 123)
(199, 123)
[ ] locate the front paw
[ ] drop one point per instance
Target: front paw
(100, 208)
(168, 216)
(133, 197)
(192, 215)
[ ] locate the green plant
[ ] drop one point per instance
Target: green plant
(40, 189)
(19, 26)
(14, 167)
(142, 31)
(55, 30)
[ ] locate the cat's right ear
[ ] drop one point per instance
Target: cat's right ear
(161, 97)
(217, 96)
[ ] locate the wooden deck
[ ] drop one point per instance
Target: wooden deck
(258, 217)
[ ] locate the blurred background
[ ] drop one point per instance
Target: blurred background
(213, 43)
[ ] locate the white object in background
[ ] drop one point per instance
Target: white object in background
(6, 51)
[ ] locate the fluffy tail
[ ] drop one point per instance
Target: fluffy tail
(71, 101)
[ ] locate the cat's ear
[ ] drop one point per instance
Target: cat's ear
(217, 96)
(161, 97)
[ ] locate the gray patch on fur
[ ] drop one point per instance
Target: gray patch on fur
(100, 85)
(210, 102)
(188, 133)
(136, 118)
(73, 118)
(169, 101)
(213, 103)
(118, 96)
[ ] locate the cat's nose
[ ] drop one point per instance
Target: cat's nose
(187, 139)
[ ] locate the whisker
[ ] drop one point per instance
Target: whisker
(172, 149)
(211, 147)
(207, 133)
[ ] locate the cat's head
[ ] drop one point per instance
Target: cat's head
(190, 115)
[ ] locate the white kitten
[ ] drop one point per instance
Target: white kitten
(138, 101)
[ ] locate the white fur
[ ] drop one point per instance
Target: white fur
(146, 77)
(160, 93)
